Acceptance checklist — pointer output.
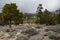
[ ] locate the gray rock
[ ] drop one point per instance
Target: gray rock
(31, 32)
(22, 37)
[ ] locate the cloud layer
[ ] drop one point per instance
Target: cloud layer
(30, 6)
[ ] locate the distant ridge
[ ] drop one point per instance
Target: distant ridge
(29, 15)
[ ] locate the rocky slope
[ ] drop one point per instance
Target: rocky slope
(28, 32)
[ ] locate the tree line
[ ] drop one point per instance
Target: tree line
(12, 15)
(46, 17)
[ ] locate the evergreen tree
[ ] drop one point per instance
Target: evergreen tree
(11, 13)
(39, 13)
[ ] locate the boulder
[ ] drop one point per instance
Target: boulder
(22, 37)
(1, 33)
(6, 35)
(31, 32)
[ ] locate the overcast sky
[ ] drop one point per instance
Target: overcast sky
(30, 6)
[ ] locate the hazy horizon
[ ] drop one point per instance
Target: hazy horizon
(30, 6)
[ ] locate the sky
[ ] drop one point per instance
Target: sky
(30, 6)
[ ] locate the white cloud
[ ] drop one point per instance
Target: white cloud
(31, 5)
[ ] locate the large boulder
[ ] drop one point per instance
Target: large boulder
(55, 28)
(6, 35)
(54, 35)
(22, 37)
(37, 37)
(1, 33)
(31, 32)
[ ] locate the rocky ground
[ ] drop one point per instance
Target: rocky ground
(30, 32)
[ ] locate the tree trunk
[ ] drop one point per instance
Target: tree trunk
(9, 24)
(10, 27)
